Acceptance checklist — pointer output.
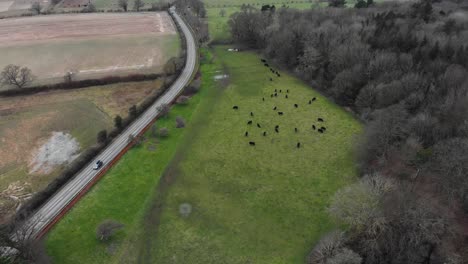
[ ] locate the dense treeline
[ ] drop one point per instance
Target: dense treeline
(402, 68)
(194, 12)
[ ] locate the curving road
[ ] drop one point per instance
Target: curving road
(43, 218)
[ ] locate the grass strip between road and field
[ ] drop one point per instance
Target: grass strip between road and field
(121, 195)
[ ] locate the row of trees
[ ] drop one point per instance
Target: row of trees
(194, 12)
(402, 67)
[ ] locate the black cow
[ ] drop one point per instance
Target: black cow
(276, 90)
(287, 90)
(266, 65)
(235, 107)
(313, 127)
(295, 105)
(263, 98)
(313, 99)
(279, 75)
(276, 127)
(258, 125)
(251, 143)
(280, 91)
(286, 97)
(276, 95)
(320, 130)
(274, 108)
(263, 60)
(271, 79)
(280, 113)
(249, 123)
(298, 145)
(271, 95)
(323, 128)
(320, 119)
(276, 130)
(264, 133)
(246, 133)
(310, 101)
(251, 114)
(295, 129)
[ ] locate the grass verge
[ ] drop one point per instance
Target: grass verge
(121, 195)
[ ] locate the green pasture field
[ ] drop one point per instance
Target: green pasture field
(254, 204)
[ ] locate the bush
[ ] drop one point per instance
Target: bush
(182, 100)
(163, 132)
(164, 110)
(185, 209)
(180, 122)
(107, 228)
(102, 136)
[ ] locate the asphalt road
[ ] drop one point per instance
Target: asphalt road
(55, 205)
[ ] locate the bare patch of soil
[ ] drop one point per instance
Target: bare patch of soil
(60, 149)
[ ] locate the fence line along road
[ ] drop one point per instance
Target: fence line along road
(56, 206)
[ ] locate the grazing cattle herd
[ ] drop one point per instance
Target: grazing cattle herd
(320, 130)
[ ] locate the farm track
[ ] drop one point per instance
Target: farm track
(44, 218)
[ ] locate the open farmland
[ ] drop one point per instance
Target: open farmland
(90, 45)
(28, 123)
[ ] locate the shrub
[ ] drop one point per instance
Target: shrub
(164, 110)
(180, 122)
(185, 209)
(183, 100)
(163, 132)
(118, 122)
(107, 228)
(102, 136)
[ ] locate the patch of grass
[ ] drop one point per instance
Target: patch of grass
(122, 195)
(262, 204)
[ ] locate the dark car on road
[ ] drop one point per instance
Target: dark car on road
(98, 165)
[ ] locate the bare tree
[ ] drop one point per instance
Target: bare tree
(107, 228)
(164, 110)
(163, 132)
(36, 7)
(102, 136)
(16, 76)
(345, 256)
(183, 100)
(326, 248)
(18, 240)
(138, 4)
(123, 4)
(68, 77)
(180, 122)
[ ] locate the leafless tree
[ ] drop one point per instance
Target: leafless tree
(163, 132)
(180, 122)
(107, 229)
(36, 7)
(16, 76)
(123, 4)
(68, 77)
(18, 240)
(164, 110)
(138, 4)
(183, 100)
(326, 248)
(345, 256)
